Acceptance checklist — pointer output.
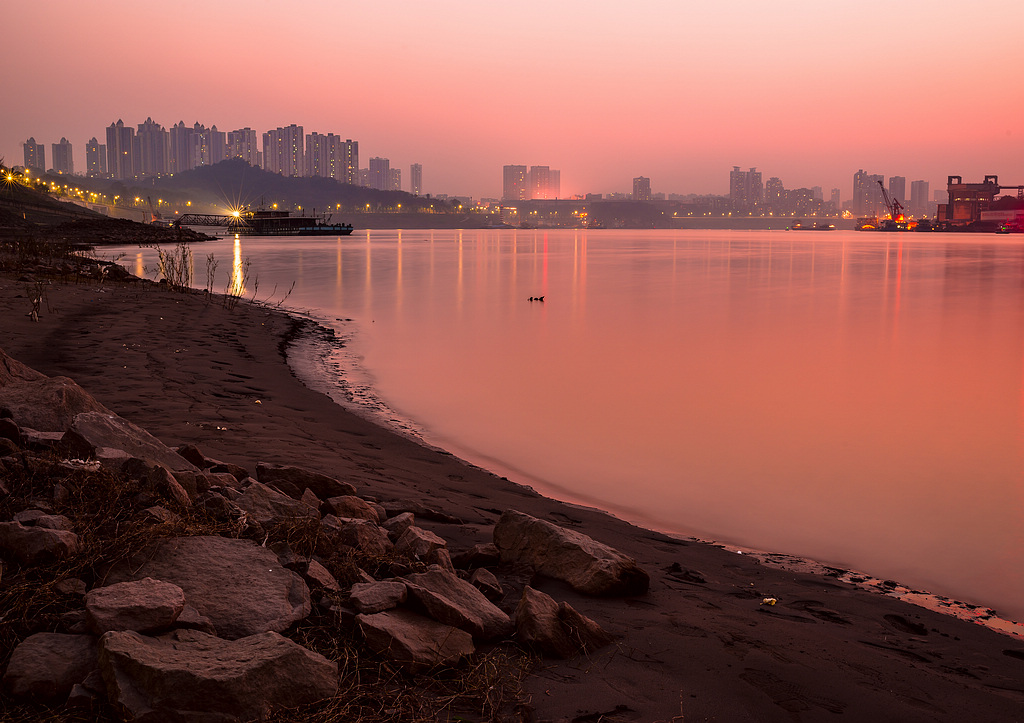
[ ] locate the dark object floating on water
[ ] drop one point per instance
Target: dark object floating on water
(267, 223)
(816, 226)
(536, 298)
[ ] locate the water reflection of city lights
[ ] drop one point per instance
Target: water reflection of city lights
(237, 285)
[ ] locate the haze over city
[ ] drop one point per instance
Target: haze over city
(677, 92)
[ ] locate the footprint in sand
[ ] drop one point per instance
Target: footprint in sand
(905, 626)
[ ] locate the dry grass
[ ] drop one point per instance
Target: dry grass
(374, 690)
(105, 510)
(27, 251)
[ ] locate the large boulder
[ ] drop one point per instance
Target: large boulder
(398, 524)
(451, 600)
(269, 507)
(417, 542)
(39, 518)
(195, 676)
(46, 404)
(7, 446)
(159, 482)
(415, 642)
(13, 371)
(48, 665)
(91, 434)
(556, 629)
(241, 587)
(200, 460)
(485, 555)
(319, 577)
(424, 545)
(363, 535)
(589, 566)
(9, 429)
(485, 581)
(141, 605)
(36, 544)
(376, 597)
(294, 480)
(352, 506)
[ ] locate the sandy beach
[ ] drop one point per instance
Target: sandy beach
(701, 645)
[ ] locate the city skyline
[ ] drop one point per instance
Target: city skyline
(808, 92)
(291, 152)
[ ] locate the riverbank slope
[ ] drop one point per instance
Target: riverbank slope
(701, 645)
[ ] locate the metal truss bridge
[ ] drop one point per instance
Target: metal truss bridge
(210, 219)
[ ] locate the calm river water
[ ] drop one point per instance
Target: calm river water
(853, 398)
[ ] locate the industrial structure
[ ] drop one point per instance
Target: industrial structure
(968, 201)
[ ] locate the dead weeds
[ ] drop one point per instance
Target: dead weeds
(104, 509)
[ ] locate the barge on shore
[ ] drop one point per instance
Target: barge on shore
(267, 223)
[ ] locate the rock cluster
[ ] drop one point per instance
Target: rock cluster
(192, 626)
(100, 231)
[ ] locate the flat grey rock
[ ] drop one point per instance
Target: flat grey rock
(241, 587)
(194, 676)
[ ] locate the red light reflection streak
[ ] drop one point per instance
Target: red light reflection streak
(459, 289)
(899, 282)
(1018, 542)
(430, 273)
(544, 268)
(337, 265)
(367, 293)
(339, 297)
(398, 273)
(515, 260)
(579, 271)
(842, 281)
(814, 260)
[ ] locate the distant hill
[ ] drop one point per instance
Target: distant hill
(28, 212)
(235, 182)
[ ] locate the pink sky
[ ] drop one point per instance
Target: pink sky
(677, 91)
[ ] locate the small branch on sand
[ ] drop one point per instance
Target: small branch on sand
(36, 296)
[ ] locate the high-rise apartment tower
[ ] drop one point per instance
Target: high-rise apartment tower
(63, 160)
(416, 179)
(35, 154)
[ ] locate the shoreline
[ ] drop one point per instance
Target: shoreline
(314, 341)
(699, 644)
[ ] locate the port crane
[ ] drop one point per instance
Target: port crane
(155, 216)
(892, 205)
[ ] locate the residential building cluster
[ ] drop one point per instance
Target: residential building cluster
(35, 156)
(150, 150)
(868, 199)
(520, 183)
(749, 196)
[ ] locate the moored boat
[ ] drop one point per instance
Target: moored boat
(263, 222)
(816, 226)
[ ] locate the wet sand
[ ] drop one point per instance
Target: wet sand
(699, 646)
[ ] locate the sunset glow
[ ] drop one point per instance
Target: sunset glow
(679, 92)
